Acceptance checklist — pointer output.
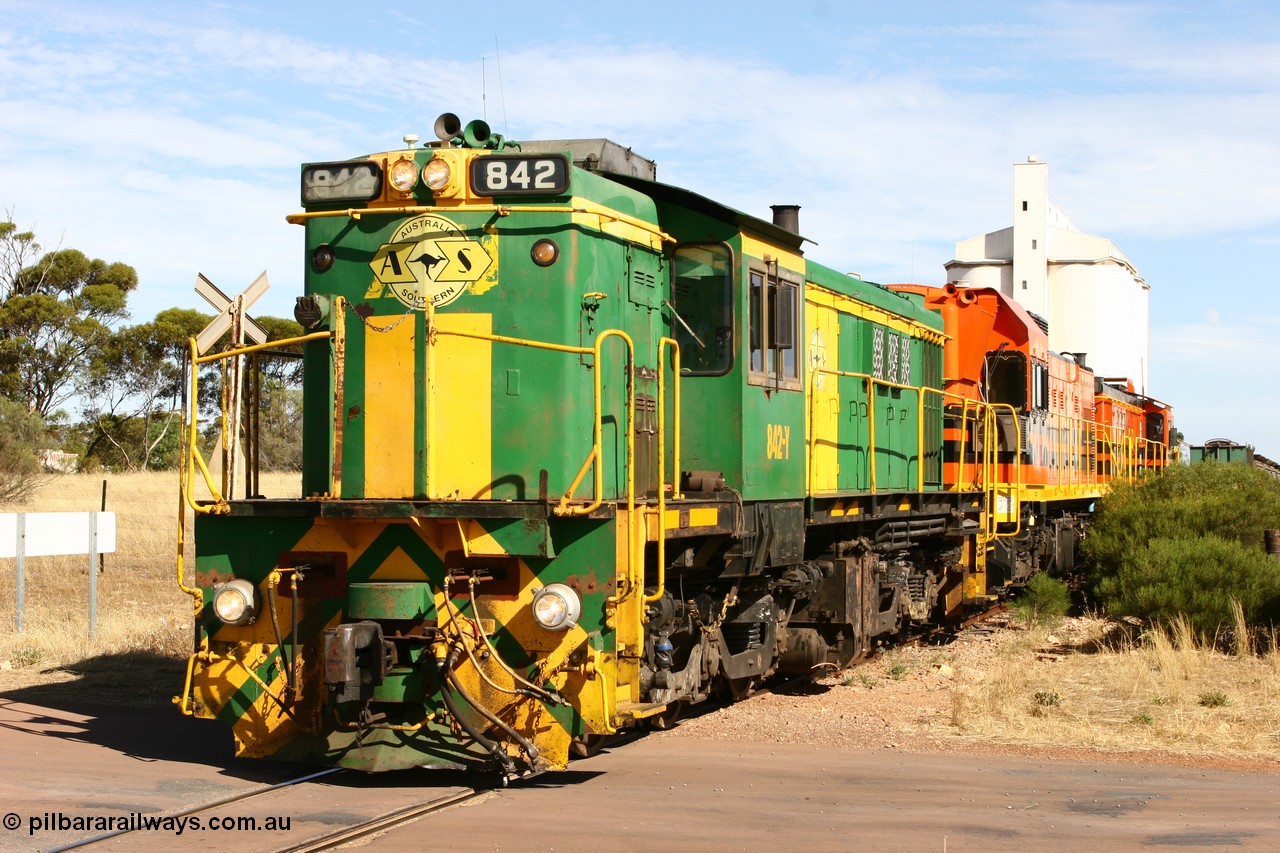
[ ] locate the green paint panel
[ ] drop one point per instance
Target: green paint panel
(522, 537)
(390, 600)
(401, 685)
(773, 444)
(854, 432)
(541, 400)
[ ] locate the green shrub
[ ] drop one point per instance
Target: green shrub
(1197, 578)
(1214, 699)
(1187, 542)
(1044, 601)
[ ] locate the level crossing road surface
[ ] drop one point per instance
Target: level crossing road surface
(663, 792)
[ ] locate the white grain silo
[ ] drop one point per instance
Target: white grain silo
(1086, 289)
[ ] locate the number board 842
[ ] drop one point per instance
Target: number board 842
(540, 174)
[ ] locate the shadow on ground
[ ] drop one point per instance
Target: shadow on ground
(123, 702)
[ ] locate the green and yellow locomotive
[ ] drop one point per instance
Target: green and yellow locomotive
(580, 448)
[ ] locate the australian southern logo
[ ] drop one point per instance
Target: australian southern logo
(430, 258)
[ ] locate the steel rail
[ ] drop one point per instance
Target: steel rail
(390, 820)
(234, 798)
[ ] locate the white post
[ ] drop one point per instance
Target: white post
(93, 575)
(235, 379)
(22, 570)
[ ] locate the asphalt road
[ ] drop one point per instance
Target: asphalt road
(66, 760)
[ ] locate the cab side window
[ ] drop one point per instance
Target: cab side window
(774, 306)
(702, 308)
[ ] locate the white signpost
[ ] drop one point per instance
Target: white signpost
(54, 534)
(231, 317)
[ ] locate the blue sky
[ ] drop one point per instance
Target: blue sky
(169, 135)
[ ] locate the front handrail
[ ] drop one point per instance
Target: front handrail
(190, 460)
(193, 458)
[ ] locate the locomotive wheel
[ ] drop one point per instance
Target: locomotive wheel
(586, 745)
(667, 719)
(736, 689)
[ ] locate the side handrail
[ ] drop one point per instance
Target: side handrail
(663, 344)
(870, 383)
(994, 484)
(1073, 438)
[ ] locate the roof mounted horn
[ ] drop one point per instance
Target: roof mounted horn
(448, 127)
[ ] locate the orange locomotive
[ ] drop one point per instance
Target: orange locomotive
(1062, 434)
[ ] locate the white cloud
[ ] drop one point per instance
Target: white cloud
(169, 137)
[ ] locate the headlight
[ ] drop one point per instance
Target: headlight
(436, 174)
(556, 607)
(403, 175)
(341, 182)
(234, 603)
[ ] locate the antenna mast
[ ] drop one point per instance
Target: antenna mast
(502, 91)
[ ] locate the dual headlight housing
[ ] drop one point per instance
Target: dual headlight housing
(362, 180)
(437, 173)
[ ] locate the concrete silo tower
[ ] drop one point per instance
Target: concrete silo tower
(1093, 299)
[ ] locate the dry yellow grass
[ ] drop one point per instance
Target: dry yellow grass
(1162, 689)
(140, 608)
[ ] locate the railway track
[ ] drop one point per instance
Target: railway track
(381, 823)
(203, 807)
(406, 814)
(324, 841)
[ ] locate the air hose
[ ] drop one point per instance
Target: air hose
(444, 678)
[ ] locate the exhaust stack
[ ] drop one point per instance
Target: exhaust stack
(786, 216)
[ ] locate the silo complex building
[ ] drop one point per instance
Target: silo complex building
(1094, 301)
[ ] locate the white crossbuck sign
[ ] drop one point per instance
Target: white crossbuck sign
(227, 309)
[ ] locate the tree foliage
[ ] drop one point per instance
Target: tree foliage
(135, 386)
(280, 447)
(64, 336)
(56, 310)
(1187, 542)
(21, 436)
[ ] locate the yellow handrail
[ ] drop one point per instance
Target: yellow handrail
(339, 394)
(193, 458)
(564, 507)
(358, 213)
(994, 482)
(663, 343)
(869, 384)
